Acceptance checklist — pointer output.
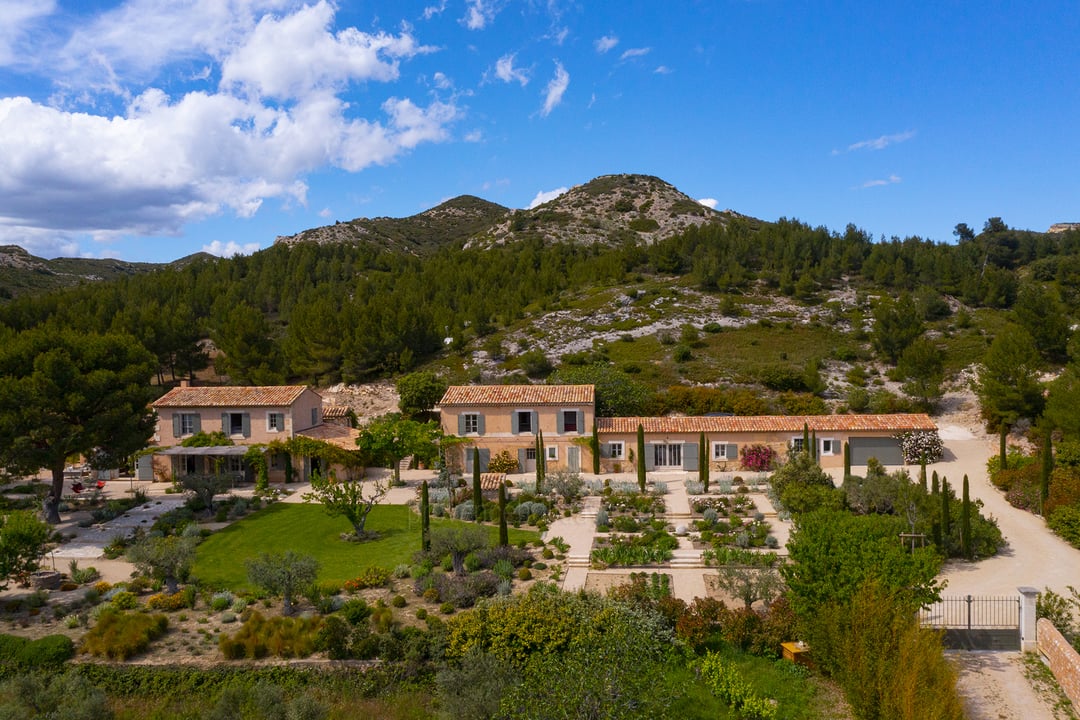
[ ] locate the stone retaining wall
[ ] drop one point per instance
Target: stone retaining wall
(1063, 659)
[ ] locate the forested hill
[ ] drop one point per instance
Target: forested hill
(734, 303)
(22, 273)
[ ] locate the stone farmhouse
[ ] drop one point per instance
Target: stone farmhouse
(248, 416)
(509, 417)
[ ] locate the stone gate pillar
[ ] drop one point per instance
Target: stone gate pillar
(1028, 596)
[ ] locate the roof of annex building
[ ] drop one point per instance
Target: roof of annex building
(231, 396)
(473, 395)
(768, 423)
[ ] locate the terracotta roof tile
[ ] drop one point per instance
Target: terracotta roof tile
(473, 395)
(339, 435)
(336, 412)
(491, 481)
(768, 423)
(231, 396)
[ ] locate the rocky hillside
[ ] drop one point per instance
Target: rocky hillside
(22, 273)
(610, 209)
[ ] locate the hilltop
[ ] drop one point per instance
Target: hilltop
(611, 210)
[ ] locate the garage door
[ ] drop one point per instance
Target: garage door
(885, 449)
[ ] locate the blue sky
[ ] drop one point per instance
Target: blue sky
(151, 129)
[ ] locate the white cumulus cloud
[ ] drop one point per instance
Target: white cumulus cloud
(162, 159)
(546, 196)
(480, 13)
(19, 18)
(228, 249)
(555, 89)
(635, 52)
(709, 202)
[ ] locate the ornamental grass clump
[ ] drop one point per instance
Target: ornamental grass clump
(119, 636)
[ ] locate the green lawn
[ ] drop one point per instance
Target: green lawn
(308, 530)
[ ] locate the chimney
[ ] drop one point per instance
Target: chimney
(184, 383)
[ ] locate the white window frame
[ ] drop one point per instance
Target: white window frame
(796, 444)
(271, 425)
(562, 421)
(471, 422)
(530, 453)
(551, 452)
(187, 423)
(622, 449)
(719, 450)
(517, 422)
(832, 446)
(672, 453)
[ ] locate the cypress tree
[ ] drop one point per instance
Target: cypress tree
(1046, 469)
(595, 447)
(805, 438)
(934, 490)
(477, 491)
(641, 457)
(922, 472)
(504, 534)
(425, 518)
(847, 460)
(703, 463)
(1004, 435)
(945, 520)
(935, 486)
(965, 522)
(541, 462)
(814, 446)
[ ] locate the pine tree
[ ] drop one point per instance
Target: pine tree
(641, 457)
(504, 534)
(425, 518)
(477, 491)
(965, 522)
(703, 463)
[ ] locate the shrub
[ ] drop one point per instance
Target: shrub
(119, 636)
(726, 683)
(373, 576)
(465, 511)
(757, 457)
(124, 600)
(447, 608)
(1065, 521)
(170, 603)
(221, 601)
(504, 569)
(503, 462)
(283, 637)
(398, 601)
(921, 444)
(355, 611)
(524, 574)
(49, 652)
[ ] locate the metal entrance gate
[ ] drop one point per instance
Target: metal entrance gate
(976, 623)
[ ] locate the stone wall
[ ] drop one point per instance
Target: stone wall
(1063, 659)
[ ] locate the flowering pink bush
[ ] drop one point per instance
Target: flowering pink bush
(758, 458)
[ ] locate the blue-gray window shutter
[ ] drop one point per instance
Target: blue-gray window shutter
(514, 422)
(650, 457)
(225, 424)
(479, 424)
(605, 450)
(485, 458)
(732, 451)
(176, 424)
(245, 424)
(461, 424)
(689, 456)
(581, 421)
(468, 460)
(197, 425)
(521, 459)
(535, 421)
